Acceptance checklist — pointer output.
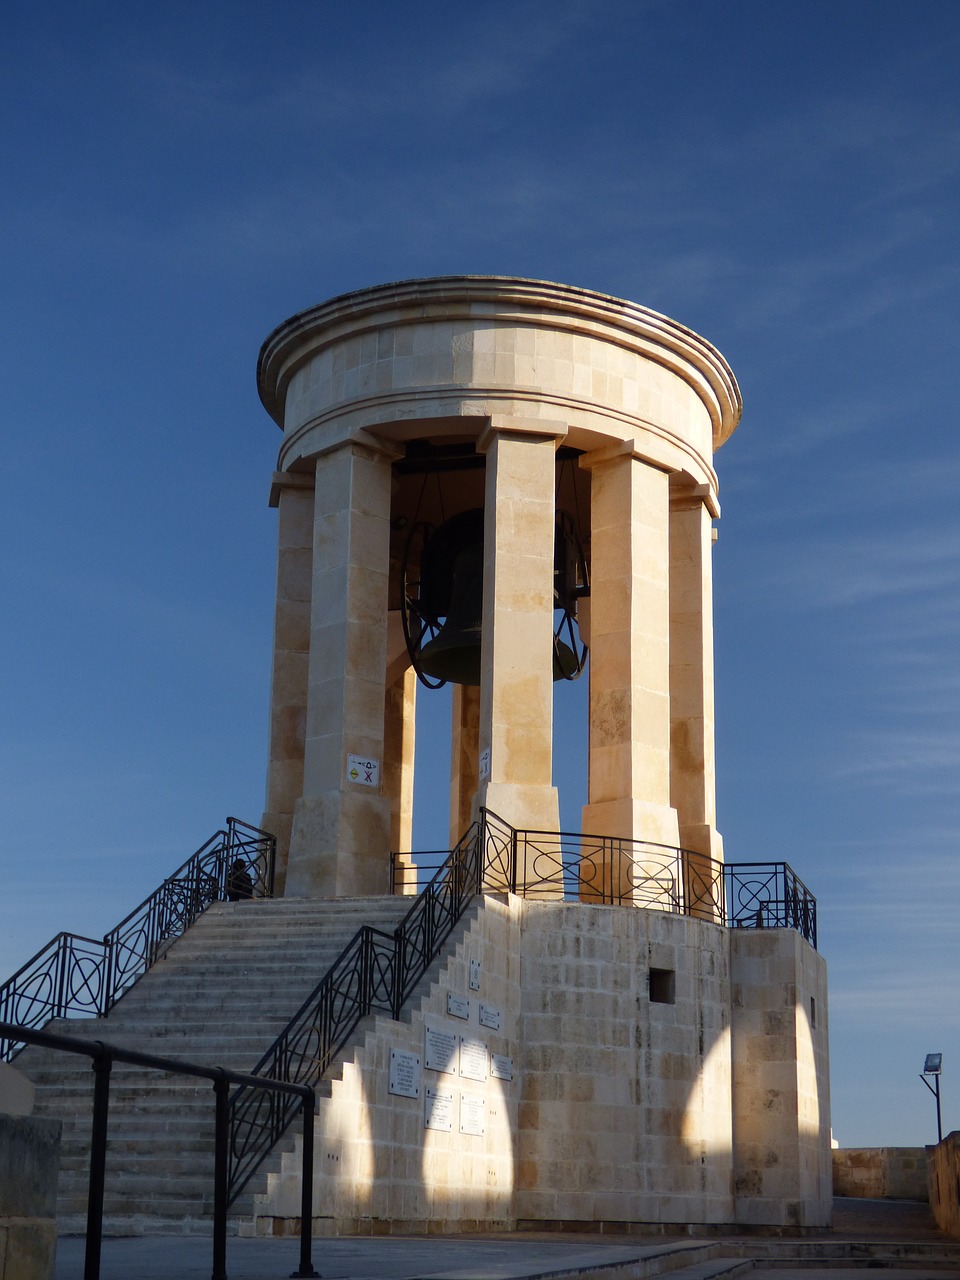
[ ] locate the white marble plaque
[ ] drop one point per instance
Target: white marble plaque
(489, 1017)
(474, 975)
(440, 1050)
(485, 764)
(438, 1110)
(473, 1114)
(458, 1006)
(404, 1074)
(501, 1067)
(473, 1058)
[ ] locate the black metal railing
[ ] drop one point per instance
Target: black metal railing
(769, 895)
(77, 976)
(578, 867)
(103, 1057)
(375, 973)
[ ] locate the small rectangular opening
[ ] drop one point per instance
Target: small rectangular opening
(663, 986)
(813, 1012)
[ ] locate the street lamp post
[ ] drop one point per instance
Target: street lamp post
(931, 1067)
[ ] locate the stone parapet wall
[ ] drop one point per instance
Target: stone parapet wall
(29, 1165)
(880, 1173)
(614, 1102)
(945, 1184)
(781, 1085)
(377, 1165)
(625, 1115)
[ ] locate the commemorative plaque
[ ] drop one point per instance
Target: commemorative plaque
(473, 1114)
(404, 1074)
(440, 1050)
(438, 1110)
(458, 1006)
(501, 1067)
(473, 1058)
(489, 1016)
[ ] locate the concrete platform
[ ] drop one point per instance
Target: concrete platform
(364, 1257)
(897, 1236)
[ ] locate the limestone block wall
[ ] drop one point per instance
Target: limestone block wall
(945, 1184)
(781, 1099)
(625, 1112)
(29, 1166)
(880, 1173)
(571, 1063)
(376, 1161)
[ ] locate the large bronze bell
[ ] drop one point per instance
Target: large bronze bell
(451, 587)
(449, 602)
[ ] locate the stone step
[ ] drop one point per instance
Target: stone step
(146, 1224)
(219, 997)
(847, 1253)
(710, 1269)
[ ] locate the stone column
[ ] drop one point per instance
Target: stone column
(292, 493)
(464, 758)
(692, 758)
(516, 697)
(341, 828)
(399, 743)
(629, 768)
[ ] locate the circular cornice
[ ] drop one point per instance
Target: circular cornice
(538, 302)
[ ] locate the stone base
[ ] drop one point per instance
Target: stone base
(29, 1166)
(339, 845)
(651, 1071)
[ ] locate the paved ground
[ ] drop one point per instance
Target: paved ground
(354, 1258)
(514, 1257)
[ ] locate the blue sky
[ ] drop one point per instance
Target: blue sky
(781, 177)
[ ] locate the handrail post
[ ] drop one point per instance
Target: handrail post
(109, 968)
(220, 1162)
(102, 1065)
(62, 964)
(306, 1191)
(399, 966)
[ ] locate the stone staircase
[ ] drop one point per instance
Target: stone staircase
(219, 997)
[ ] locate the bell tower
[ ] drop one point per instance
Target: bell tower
(481, 479)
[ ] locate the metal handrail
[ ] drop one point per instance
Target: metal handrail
(103, 1057)
(611, 871)
(76, 975)
(374, 973)
(769, 895)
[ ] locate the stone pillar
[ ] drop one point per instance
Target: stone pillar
(692, 757)
(292, 493)
(781, 1082)
(464, 759)
(341, 828)
(629, 768)
(399, 741)
(516, 697)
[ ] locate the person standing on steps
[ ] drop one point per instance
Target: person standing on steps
(239, 883)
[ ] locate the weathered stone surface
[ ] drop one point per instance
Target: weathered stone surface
(29, 1164)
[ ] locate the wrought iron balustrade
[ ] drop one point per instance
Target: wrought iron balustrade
(578, 867)
(769, 895)
(78, 976)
